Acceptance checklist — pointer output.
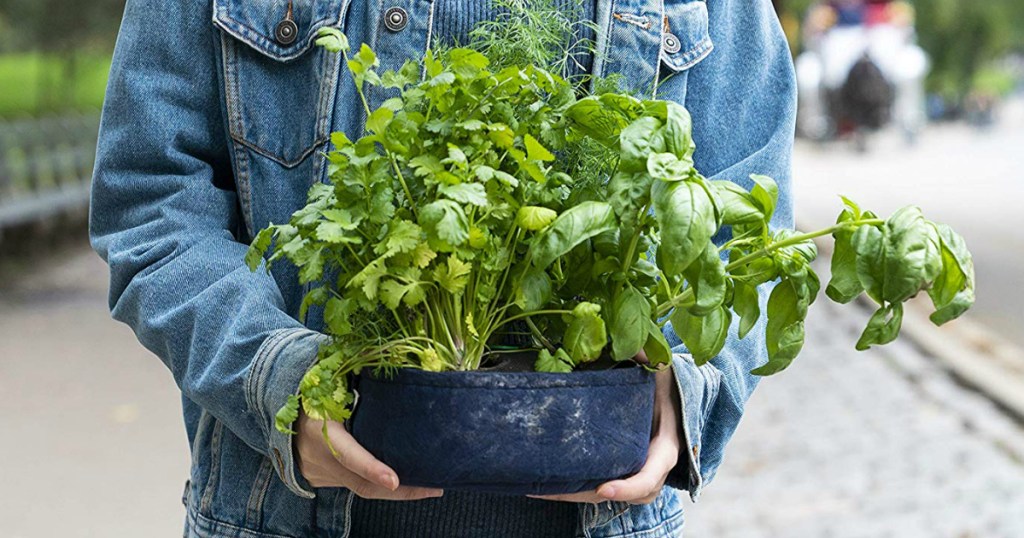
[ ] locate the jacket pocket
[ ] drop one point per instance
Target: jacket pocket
(278, 90)
(686, 38)
(685, 41)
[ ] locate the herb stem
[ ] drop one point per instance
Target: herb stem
(797, 239)
(667, 306)
(540, 336)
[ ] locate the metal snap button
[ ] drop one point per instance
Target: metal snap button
(396, 19)
(670, 43)
(286, 32)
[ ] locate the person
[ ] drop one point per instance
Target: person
(215, 123)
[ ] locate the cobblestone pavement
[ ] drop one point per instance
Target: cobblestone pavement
(872, 445)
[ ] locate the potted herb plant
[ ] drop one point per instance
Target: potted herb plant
(487, 201)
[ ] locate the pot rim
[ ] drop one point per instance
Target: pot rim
(514, 380)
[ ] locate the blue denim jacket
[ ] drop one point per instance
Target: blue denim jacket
(212, 129)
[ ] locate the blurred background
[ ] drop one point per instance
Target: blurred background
(900, 103)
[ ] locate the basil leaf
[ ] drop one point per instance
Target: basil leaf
(534, 291)
(704, 336)
(630, 316)
(883, 327)
(656, 347)
(571, 228)
(785, 332)
(686, 217)
(845, 285)
(896, 260)
(737, 205)
(639, 140)
(952, 293)
(668, 167)
(766, 194)
(706, 276)
(534, 218)
(586, 336)
(746, 304)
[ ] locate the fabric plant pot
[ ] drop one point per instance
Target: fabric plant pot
(515, 433)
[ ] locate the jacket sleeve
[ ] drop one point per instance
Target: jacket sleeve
(166, 219)
(743, 101)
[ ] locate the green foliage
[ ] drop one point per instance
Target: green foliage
(38, 84)
(452, 216)
(961, 38)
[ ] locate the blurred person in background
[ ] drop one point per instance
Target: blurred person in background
(861, 69)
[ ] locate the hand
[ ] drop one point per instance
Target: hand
(645, 486)
(353, 467)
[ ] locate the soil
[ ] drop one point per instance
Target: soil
(523, 360)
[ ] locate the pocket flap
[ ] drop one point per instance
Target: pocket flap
(255, 23)
(686, 39)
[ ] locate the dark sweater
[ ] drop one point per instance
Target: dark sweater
(459, 514)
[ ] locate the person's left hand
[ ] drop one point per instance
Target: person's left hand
(645, 486)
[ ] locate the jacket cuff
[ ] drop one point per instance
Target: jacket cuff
(280, 363)
(698, 389)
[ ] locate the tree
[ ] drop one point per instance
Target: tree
(59, 29)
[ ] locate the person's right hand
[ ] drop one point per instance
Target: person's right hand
(353, 468)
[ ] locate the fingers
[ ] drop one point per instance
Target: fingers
(369, 490)
(351, 466)
(356, 459)
(585, 497)
(645, 486)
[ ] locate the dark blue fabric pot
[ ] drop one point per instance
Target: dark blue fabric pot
(513, 433)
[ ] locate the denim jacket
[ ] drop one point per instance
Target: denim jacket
(213, 128)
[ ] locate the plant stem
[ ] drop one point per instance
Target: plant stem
(796, 239)
(667, 306)
(540, 336)
(627, 262)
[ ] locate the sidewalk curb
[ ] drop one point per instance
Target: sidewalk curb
(973, 354)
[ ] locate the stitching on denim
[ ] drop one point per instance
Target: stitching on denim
(691, 57)
(643, 21)
(289, 164)
(258, 41)
(257, 384)
(212, 528)
(657, 56)
(211, 484)
(260, 486)
(653, 532)
(430, 35)
(232, 90)
(347, 513)
(254, 383)
(201, 433)
(603, 41)
(695, 483)
(243, 178)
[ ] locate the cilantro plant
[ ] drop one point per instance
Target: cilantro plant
(462, 209)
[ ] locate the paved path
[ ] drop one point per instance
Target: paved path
(93, 441)
(872, 445)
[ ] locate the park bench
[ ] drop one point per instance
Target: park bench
(45, 167)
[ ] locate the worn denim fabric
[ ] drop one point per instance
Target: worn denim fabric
(212, 129)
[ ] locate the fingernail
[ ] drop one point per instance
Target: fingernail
(389, 481)
(608, 492)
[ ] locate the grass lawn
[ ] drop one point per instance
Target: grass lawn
(24, 76)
